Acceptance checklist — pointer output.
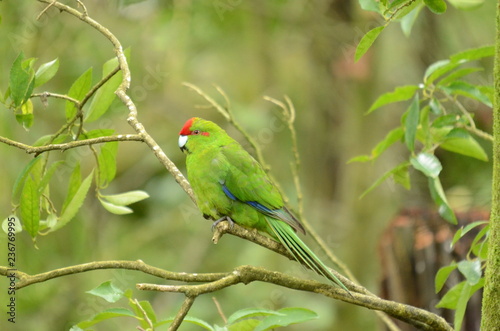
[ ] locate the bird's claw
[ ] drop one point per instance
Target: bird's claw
(223, 218)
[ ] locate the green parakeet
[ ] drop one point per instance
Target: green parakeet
(229, 184)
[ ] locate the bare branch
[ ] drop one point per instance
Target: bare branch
(72, 144)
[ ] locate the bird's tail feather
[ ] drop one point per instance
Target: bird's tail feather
(301, 252)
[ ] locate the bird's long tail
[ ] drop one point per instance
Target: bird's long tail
(300, 251)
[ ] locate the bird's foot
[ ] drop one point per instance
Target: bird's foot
(223, 218)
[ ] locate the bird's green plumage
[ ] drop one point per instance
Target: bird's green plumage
(228, 181)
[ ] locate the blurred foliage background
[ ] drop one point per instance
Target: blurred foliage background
(250, 49)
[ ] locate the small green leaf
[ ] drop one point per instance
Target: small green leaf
(105, 315)
(104, 97)
(292, 316)
(188, 319)
(409, 19)
(107, 163)
(97, 133)
(48, 175)
(471, 271)
(77, 91)
(464, 230)
(115, 209)
(435, 106)
(366, 42)
(127, 198)
(440, 200)
(246, 325)
(468, 90)
(147, 308)
(411, 123)
(46, 71)
(396, 171)
(74, 183)
(461, 142)
(442, 276)
(251, 312)
(108, 291)
(75, 204)
(466, 4)
(464, 297)
(18, 184)
(21, 82)
(454, 76)
(474, 54)
(436, 6)
(401, 93)
(30, 207)
(370, 5)
(427, 163)
(26, 118)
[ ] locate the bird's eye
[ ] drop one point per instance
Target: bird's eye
(196, 132)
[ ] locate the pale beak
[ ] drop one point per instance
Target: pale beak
(182, 142)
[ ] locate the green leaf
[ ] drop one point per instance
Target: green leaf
(26, 118)
(366, 42)
(77, 91)
(148, 309)
(245, 325)
(479, 245)
(21, 82)
(471, 271)
(435, 106)
(401, 93)
(468, 90)
(292, 316)
(251, 312)
(409, 19)
(436, 6)
(411, 123)
(474, 54)
(115, 209)
(48, 175)
(465, 294)
(108, 291)
(451, 298)
(464, 230)
(97, 133)
(440, 200)
(30, 207)
(43, 140)
(107, 163)
(459, 73)
(127, 198)
(74, 183)
(106, 94)
(18, 184)
(188, 319)
(396, 171)
(370, 5)
(393, 136)
(461, 142)
(75, 204)
(46, 71)
(427, 163)
(105, 315)
(442, 276)
(466, 4)
(437, 69)
(446, 120)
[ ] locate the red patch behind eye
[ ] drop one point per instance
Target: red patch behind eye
(187, 126)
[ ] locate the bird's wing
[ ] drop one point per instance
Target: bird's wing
(247, 182)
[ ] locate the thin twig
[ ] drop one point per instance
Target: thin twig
(69, 145)
(219, 309)
(186, 305)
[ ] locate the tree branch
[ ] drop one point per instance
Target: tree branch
(72, 144)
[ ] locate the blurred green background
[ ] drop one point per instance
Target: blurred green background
(250, 49)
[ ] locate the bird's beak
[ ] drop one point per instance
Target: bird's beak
(182, 142)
